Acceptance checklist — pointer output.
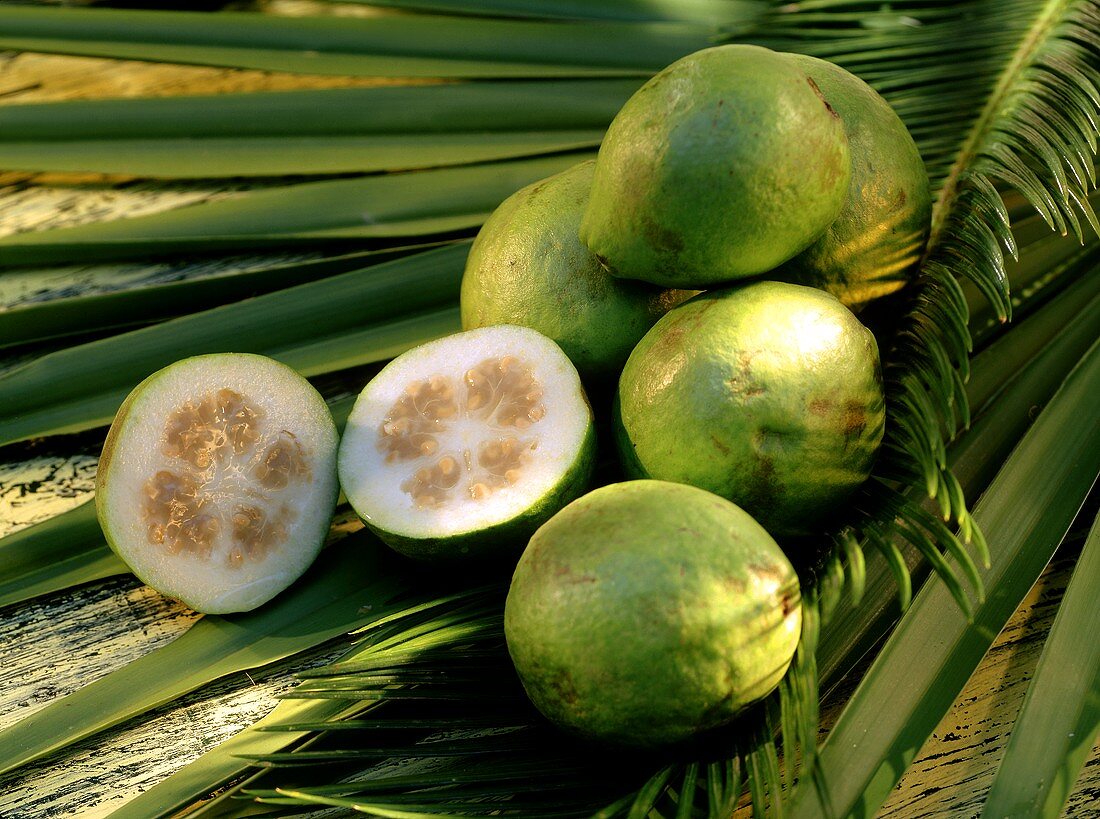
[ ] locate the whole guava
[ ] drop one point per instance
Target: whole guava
(769, 394)
(723, 166)
(528, 267)
(873, 247)
(647, 612)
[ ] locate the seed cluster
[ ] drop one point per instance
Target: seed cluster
(502, 394)
(214, 443)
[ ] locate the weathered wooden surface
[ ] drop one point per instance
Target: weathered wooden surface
(956, 766)
(51, 646)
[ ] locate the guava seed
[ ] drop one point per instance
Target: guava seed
(500, 394)
(211, 443)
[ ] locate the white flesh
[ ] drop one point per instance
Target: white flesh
(550, 438)
(224, 574)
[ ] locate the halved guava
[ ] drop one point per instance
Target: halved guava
(465, 445)
(217, 482)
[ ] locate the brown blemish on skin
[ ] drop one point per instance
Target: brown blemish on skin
(769, 572)
(821, 96)
(671, 338)
(567, 576)
(734, 584)
(725, 450)
(668, 241)
(819, 406)
(566, 691)
(763, 486)
(855, 419)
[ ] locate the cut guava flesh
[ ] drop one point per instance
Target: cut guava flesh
(218, 480)
(467, 443)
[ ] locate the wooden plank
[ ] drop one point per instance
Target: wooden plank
(956, 765)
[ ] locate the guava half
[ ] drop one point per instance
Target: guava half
(528, 267)
(463, 446)
(648, 612)
(217, 481)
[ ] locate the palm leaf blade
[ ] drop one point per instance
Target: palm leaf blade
(278, 156)
(1060, 716)
(81, 387)
(328, 604)
(1025, 513)
(707, 12)
(497, 107)
(124, 308)
(226, 761)
(374, 207)
(392, 46)
(315, 131)
(65, 550)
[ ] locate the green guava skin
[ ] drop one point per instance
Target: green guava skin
(723, 166)
(647, 612)
(528, 267)
(769, 394)
(872, 249)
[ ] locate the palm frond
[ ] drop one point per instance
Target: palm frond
(339, 130)
(1027, 511)
(367, 317)
(63, 551)
(97, 306)
(386, 46)
(1060, 716)
(1016, 106)
(1016, 54)
(1029, 365)
(332, 602)
(704, 12)
(389, 208)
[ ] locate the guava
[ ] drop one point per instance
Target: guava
(461, 447)
(723, 166)
(528, 267)
(217, 482)
(873, 247)
(769, 394)
(647, 612)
